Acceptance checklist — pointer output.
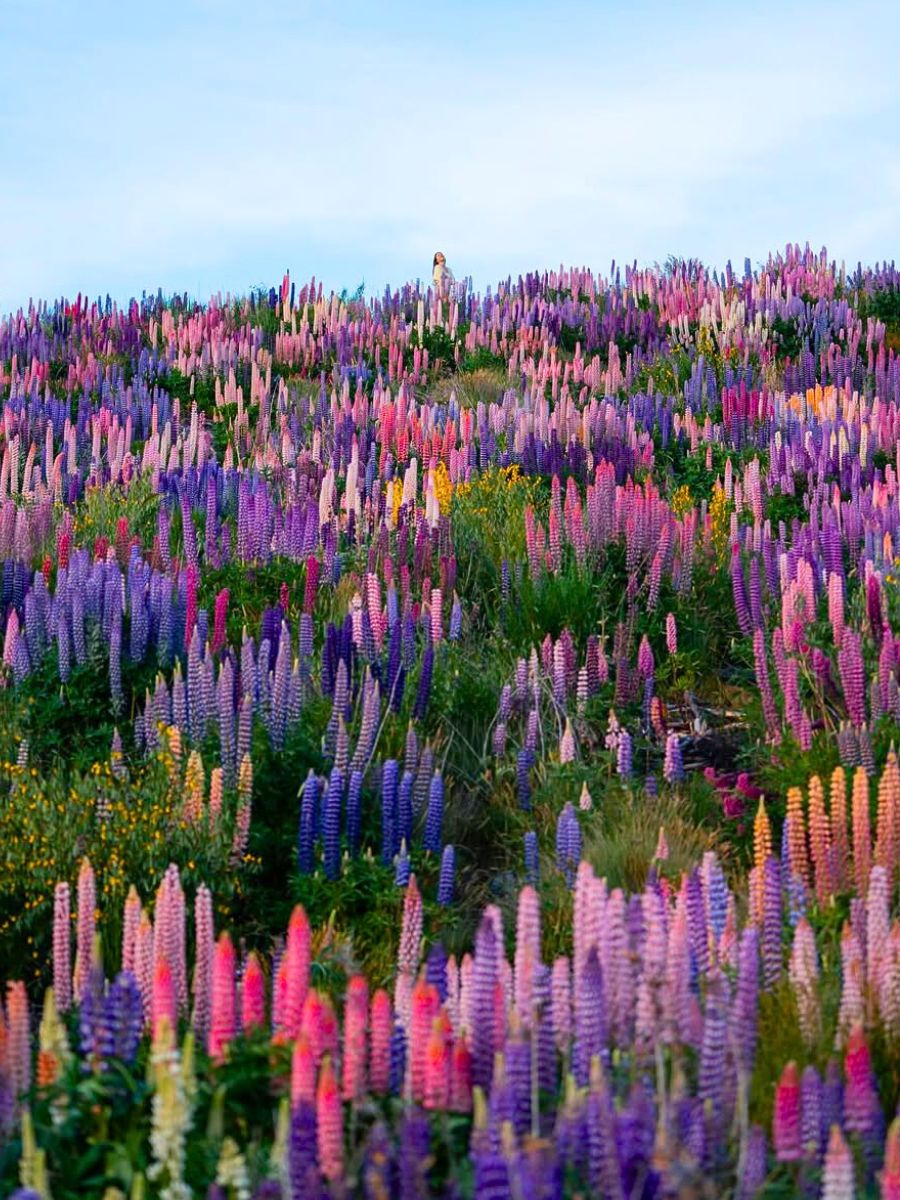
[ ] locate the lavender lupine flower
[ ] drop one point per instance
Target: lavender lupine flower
(455, 620)
(532, 860)
(771, 939)
(413, 1157)
(711, 1081)
(309, 818)
(623, 756)
(673, 768)
(435, 818)
(331, 839)
(445, 883)
(755, 1167)
(812, 1134)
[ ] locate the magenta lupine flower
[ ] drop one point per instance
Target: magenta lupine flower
(852, 672)
(786, 1117)
(219, 619)
(862, 1111)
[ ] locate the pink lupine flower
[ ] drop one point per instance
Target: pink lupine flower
(163, 998)
(131, 919)
(425, 1005)
(330, 1124)
(804, 976)
(528, 952)
(253, 995)
(436, 1089)
(410, 930)
(861, 1104)
(319, 1023)
(380, 1057)
(303, 1072)
(223, 1020)
(356, 1013)
(671, 634)
(890, 1176)
(84, 935)
(838, 1175)
(297, 961)
(62, 949)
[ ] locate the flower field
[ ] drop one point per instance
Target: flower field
(447, 746)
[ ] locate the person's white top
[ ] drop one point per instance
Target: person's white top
(442, 275)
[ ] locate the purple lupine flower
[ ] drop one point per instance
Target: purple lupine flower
(398, 1059)
(413, 1157)
(303, 1152)
(445, 883)
(491, 1175)
(590, 1017)
(405, 806)
(532, 860)
(124, 1017)
(379, 1171)
(331, 828)
(115, 663)
(755, 1167)
(524, 763)
(390, 838)
(739, 591)
(711, 1079)
(435, 818)
(309, 819)
(832, 1096)
(745, 1009)
(568, 843)
(354, 812)
(424, 690)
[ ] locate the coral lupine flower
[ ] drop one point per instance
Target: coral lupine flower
(786, 1117)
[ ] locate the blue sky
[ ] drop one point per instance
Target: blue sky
(207, 145)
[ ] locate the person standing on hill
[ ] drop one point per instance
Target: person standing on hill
(441, 275)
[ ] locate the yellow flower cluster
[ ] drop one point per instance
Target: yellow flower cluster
(443, 488)
(719, 521)
(682, 501)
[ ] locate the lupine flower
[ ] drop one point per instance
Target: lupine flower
(786, 1119)
(837, 1175)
